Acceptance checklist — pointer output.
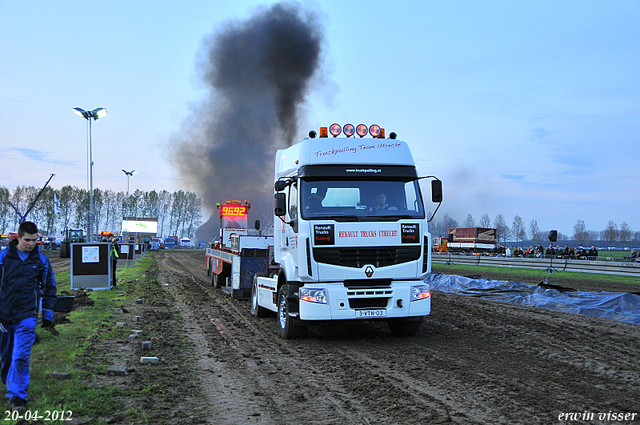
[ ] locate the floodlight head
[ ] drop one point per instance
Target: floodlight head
(129, 173)
(98, 113)
(79, 111)
(95, 114)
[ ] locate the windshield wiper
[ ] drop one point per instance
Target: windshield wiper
(346, 218)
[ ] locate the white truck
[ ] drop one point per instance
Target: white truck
(350, 235)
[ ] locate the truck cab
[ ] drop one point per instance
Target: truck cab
(350, 235)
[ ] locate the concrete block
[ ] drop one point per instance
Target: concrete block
(117, 370)
(145, 345)
(121, 324)
(148, 360)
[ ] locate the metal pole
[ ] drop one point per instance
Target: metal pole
(90, 183)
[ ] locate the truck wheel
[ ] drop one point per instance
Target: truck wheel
(285, 322)
(213, 278)
(64, 248)
(404, 327)
(256, 309)
(216, 280)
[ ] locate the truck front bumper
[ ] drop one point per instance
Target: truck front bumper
(342, 303)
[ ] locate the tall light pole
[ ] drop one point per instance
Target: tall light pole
(129, 174)
(89, 115)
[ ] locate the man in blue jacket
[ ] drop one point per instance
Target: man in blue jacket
(25, 277)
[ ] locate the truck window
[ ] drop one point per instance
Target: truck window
(293, 201)
(361, 200)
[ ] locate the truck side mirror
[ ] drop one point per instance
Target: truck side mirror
(280, 185)
(256, 225)
(436, 191)
(450, 237)
(280, 204)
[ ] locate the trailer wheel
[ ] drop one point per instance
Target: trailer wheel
(256, 309)
(285, 322)
(404, 327)
(64, 250)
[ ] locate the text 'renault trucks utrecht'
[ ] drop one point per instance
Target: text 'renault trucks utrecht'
(350, 235)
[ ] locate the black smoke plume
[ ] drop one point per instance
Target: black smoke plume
(257, 72)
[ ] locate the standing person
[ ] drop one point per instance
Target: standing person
(115, 254)
(25, 276)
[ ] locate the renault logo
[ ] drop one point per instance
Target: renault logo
(368, 271)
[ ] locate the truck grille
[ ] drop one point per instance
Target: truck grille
(359, 257)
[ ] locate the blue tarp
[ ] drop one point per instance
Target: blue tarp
(620, 306)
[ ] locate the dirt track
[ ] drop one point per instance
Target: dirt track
(473, 362)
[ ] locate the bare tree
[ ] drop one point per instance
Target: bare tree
(469, 221)
(485, 221)
(5, 209)
(193, 213)
(610, 234)
(625, 233)
(441, 228)
(518, 229)
(534, 230)
(580, 233)
(502, 230)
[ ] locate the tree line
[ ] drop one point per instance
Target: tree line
(519, 232)
(178, 213)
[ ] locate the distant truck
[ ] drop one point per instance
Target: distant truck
(170, 242)
(238, 256)
(155, 244)
(71, 236)
(474, 240)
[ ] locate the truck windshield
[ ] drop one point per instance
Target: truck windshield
(360, 200)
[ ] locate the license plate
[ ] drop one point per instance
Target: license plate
(364, 314)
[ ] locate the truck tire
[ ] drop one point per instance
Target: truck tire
(285, 322)
(64, 250)
(218, 279)
(256, 309)
(213, 278)
(405, 327)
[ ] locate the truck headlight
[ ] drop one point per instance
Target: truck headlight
(420, 292)
(313, 295)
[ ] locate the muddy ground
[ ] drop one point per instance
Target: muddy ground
(473, 362)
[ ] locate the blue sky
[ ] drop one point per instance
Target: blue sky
(528, 108)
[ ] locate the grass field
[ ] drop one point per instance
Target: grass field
(70, 352)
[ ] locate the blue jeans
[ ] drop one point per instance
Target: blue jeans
(15, 350)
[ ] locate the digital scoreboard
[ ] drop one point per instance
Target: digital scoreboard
(233, 211)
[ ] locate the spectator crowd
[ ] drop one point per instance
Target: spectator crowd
(568, 252)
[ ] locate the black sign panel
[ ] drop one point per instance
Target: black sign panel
(410, 232)
(323, 234)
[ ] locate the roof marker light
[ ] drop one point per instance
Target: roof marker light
(392, 135)
(361, 130)
(323, 132)
(349, 130)
(335, 130)
(312, 134)
(374, 130)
